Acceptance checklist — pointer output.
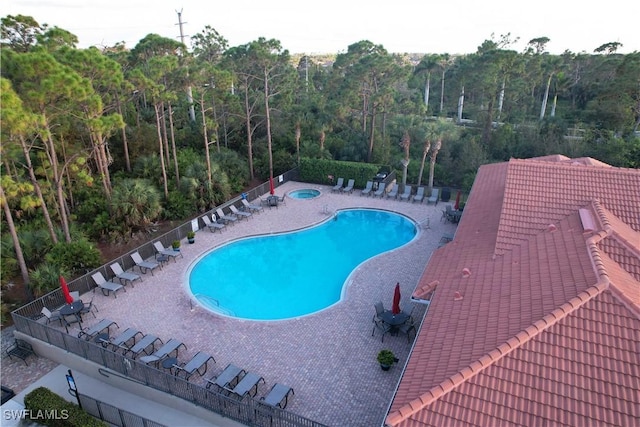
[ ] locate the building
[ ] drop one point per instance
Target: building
(534, 317)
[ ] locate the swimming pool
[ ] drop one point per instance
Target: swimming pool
(305, 193)
(282, 276)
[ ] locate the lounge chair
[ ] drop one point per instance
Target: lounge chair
(419, 196)
(142, 345)
(164, 351)
(238, 213)
(251, 207)
(168, 253)
(338, 186)
(394, 192)
(366, 191)
(228, 377)
(144, 265)
(248, 385)
(123, 276)
(213, 226)
(349, 187)
(120, 342)
(91, 331)
(406, 193)
(226, 218)
(197, 362)
(20, 349)
(106, 287)
(278, 394)
(380, 191)
(435, 192)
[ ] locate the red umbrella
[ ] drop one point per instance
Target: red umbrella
(457, 205)
(65, 290)
(272, 189)
(395, 308)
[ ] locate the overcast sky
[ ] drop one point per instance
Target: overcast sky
(330, 26)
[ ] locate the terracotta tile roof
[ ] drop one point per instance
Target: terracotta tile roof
(548, 329)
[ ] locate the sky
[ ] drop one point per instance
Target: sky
(330, 26)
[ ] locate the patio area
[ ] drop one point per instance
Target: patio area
(329, 358)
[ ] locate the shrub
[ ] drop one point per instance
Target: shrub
(78, 256)
(42, 401)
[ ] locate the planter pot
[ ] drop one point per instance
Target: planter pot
(176, 249)
(192, 240)
(385, 367)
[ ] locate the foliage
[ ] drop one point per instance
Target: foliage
(319, 170)
(386, 357)
(135, 204)
(45, 278)
(76, 257)
(234, 166)
(42, 400)
(191, 234)
(175, 244)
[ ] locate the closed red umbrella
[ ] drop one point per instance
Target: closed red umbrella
(395, 308)
(65, 290)
(272, 189)
(457, 205)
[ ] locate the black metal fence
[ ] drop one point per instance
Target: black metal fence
(114, 416)
(248, 411)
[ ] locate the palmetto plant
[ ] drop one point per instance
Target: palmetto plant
(135, 203)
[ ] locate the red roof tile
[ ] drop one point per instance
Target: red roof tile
(543, 306)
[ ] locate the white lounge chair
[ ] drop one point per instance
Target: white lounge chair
(435, 192)
(106, 287)
(338, 186)
(419, 196)
(238, 213)
(394, 192)
(252, 207)
(124, 276)
(366, 191)
(380, 191)
(406, 193)
(349, 187)
(144, 265)
(213, 226)
(168, 253)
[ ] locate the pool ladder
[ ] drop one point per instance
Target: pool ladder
(211, 304)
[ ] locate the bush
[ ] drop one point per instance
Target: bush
(79, 256)
(42, 402)
(318, 170)
(45, 278)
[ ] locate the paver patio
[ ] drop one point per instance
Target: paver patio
(329, 357)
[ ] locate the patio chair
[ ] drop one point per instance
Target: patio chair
(379, 311)
(248, 385)
(419, 196)
(91, 331)
(143, 265)
(407, 327)
(226, 218)
(169, 253)
(394, 192)
(406, 193)
(51, 316)
(349, 187)
(124, 276)
(278, 394)
(197, 362)
(338, 186)
(366, 191)
(89, 308)
(251, 207)
(380, 191)
(239, 214)
(106, 287)
(434, 196)
(382, 326)
(75, 295)
(142, 346)
(228, 377)
(282, 199)
(213, 226)
(20, 349)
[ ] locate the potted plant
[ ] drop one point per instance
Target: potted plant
(176, 245)
(191, 236)
(386, 359)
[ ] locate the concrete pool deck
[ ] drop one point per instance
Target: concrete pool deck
(329, 358)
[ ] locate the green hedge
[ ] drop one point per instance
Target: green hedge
(47, 408)
(318, 171)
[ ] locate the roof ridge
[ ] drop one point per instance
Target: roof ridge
(496, 354)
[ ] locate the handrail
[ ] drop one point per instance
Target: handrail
(211, 304)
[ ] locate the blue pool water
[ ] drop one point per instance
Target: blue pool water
(294, 274)
(307, 193)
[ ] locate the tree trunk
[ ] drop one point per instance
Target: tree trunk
(425, 151)
(442, 92)
(427, 89)
(125, 143)
(206, 141)
(16, 242)
(432, 163)
(543, 108)
(156, 107)
(36, 186)
(249, 132)
(298, 142)
(173, 144)
(268, 116)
